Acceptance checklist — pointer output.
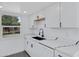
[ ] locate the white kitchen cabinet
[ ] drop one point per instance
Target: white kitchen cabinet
(69, 14)
(28, 46)
(60, 54)
(34, 49)
(33, 17)
(38, 50)
(31, 20)
(65, 12)
(52, 16)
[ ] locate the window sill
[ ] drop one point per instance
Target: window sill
(11, 26)
(12, 36)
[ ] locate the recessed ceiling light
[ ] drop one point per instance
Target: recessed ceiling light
(1, 6)
(25, 11)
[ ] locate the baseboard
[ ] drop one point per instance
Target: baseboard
(18, 52)
(27, 53)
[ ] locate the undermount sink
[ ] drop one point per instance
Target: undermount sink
(38, 38)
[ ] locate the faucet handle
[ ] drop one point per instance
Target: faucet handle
(42, 35)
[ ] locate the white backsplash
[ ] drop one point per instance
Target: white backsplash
(67, 34)
(62, 34)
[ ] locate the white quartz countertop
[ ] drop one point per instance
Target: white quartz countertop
(70, 50)
(55, 43)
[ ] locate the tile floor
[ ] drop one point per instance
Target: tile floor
(20, 54)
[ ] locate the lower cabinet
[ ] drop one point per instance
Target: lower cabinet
(38, 50)
(60, 54)
(28, 47)
(34, 49)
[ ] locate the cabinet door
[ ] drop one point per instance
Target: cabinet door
(28, 46)
(60, 54)
(41, 23)
(31, 20)
(38, 50)
(52, 16)
(68, 14)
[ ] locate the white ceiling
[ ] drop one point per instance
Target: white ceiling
(32, 7)
(20, 7)
(10, 7)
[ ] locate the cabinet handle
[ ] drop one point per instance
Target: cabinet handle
(60, 55)
(45, 25)
(31, 45)
(27, 42)
(60, 24)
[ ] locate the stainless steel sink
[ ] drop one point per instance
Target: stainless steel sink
(38, 38)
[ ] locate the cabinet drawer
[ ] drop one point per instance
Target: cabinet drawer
(60, 54)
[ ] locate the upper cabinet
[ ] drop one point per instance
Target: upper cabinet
(60, 15)
(63, 14)
(37, 20)
(52, 16)
(69, 14)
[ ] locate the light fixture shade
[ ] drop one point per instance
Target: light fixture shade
(25, 11)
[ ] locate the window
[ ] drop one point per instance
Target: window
(11, 25)
(10, 20)
(11, 30)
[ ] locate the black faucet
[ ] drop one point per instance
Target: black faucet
(41, 32)
(76, 42)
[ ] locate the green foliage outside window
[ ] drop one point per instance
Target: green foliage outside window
(10, 20)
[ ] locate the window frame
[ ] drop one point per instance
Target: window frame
(10, 35)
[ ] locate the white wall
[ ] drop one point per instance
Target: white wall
(63, 34)
(25, 24)
(11, 45)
